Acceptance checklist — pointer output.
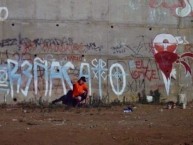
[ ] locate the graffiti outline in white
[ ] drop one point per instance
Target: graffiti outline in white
(12, 71)
(28, 74)
(117, 75)
(185, 11)
(99, 71)
(56, 73)
(3, 77)
(181, 40)
(6, 13)
(43, 64)
(88, 76)
(67, 78)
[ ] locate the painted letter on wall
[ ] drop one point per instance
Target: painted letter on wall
(39, 63)
(28, 74)
(99, 70)
(117, 72)
(6, 13)
(12, 72)
(86, 66)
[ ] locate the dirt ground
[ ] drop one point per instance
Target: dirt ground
(147, 125)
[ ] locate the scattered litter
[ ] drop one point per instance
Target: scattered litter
(149, 99)
(161, 110)
(128, 110)
(14, 120)
(134, 107)
(25, 111)
(183, 100)
(22, 120)
(171, 105)
(58, 124)
(57, 121)
(93, 126)
(184, 106)
(150, 124)
(9, 109)
(122, 122)
(32, 123)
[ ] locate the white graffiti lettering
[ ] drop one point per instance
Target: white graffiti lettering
(117, 71)
(5, 11)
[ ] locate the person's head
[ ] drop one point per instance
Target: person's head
(82, 80)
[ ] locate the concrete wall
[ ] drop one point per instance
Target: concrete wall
(94, 35)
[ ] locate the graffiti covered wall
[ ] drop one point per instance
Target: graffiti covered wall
(121, 47)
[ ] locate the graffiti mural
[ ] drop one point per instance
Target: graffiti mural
(142, 70)
(186, 10)
(55, 71)
(4, 82)
(3, 13)
(165, 46)
(53, 74)
(140, 48)
(47, 75)
(99, 70)
(143, 74)
(179, 8)
(32, 73)
(65, 44)
(117, 72)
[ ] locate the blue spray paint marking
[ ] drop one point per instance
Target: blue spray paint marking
(65, 68)
(56, 73)
(12, 72)
(28, 74)
(43, 64)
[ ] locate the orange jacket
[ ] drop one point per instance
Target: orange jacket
(79, 89)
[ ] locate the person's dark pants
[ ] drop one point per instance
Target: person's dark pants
(69, 100)
(75, 102)
(65, 99)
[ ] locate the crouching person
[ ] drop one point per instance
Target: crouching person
(77, 95)
(80, 92)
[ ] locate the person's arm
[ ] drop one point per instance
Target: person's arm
(86, 89)
(87, 94)
(74, 87)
